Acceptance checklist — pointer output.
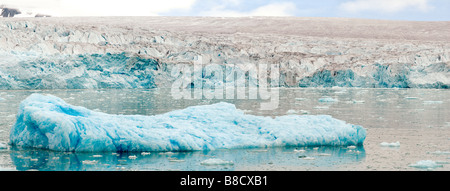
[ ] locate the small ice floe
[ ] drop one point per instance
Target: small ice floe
(432, 102)
(306, 157)
(386, 144)
(323, 154)
(299, 150)
(305, 112)
(175, 160)
(411, 98)
(300, 99)
(132, 157)
(97, 156)
(90, 162)
(321, 107)
(167, 153)
(440, 153)
(327, 100)
(215, 161)
(2, 99)
(291, 112)
(258, 150)
(341, 92)
(351, 147)
(2, 146)
(145, 153)
(357, 101)
(426, 164)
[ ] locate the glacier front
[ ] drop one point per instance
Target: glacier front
(47, 122)
(142, 52)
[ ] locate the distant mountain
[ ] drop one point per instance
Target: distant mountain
(9, 12)
(14, 12)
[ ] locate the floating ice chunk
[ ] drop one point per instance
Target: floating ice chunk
(132, 157)
(432, 102)
(358, 101)
(299, 151)
(351, 147)
(428, 164)
(411, 98)
(308, 158)
(167, 153)
(291, 112)
(145, 153)
(321, 107)
(305, 112)
(258, 150)
(175, 160)
(97, 156)
(2, 146)
(47, 122)
(386, 144)
(441, 153)
(215, 161)
(327, 99)
(89, 162)
(2, 99)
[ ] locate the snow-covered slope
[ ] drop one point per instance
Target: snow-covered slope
(141, 52)
(47, 122)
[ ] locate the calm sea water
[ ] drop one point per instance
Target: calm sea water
(419, 119)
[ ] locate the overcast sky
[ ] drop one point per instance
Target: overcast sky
(430, 10)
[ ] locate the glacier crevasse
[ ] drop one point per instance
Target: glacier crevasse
(47, 122)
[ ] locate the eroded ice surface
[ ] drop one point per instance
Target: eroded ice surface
(142, 52)
(47, 122)
(426, 164)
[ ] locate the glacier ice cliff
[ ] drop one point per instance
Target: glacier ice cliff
(141, 52)
(47, 122)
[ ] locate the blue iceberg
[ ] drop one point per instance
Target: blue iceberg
(47, 122)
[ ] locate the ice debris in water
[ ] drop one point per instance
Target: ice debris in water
(386, 144)
(432, 102)
(299, 151)
(47, 122)
(90, 162)
(132, 157)
(327, 99)
(441, 153)
(2, 146)
(215, 161)
(291, 112)
(426, 164)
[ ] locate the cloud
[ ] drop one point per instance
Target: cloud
(386, 6)
(273, 9)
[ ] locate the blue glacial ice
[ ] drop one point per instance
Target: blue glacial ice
(47, 122)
